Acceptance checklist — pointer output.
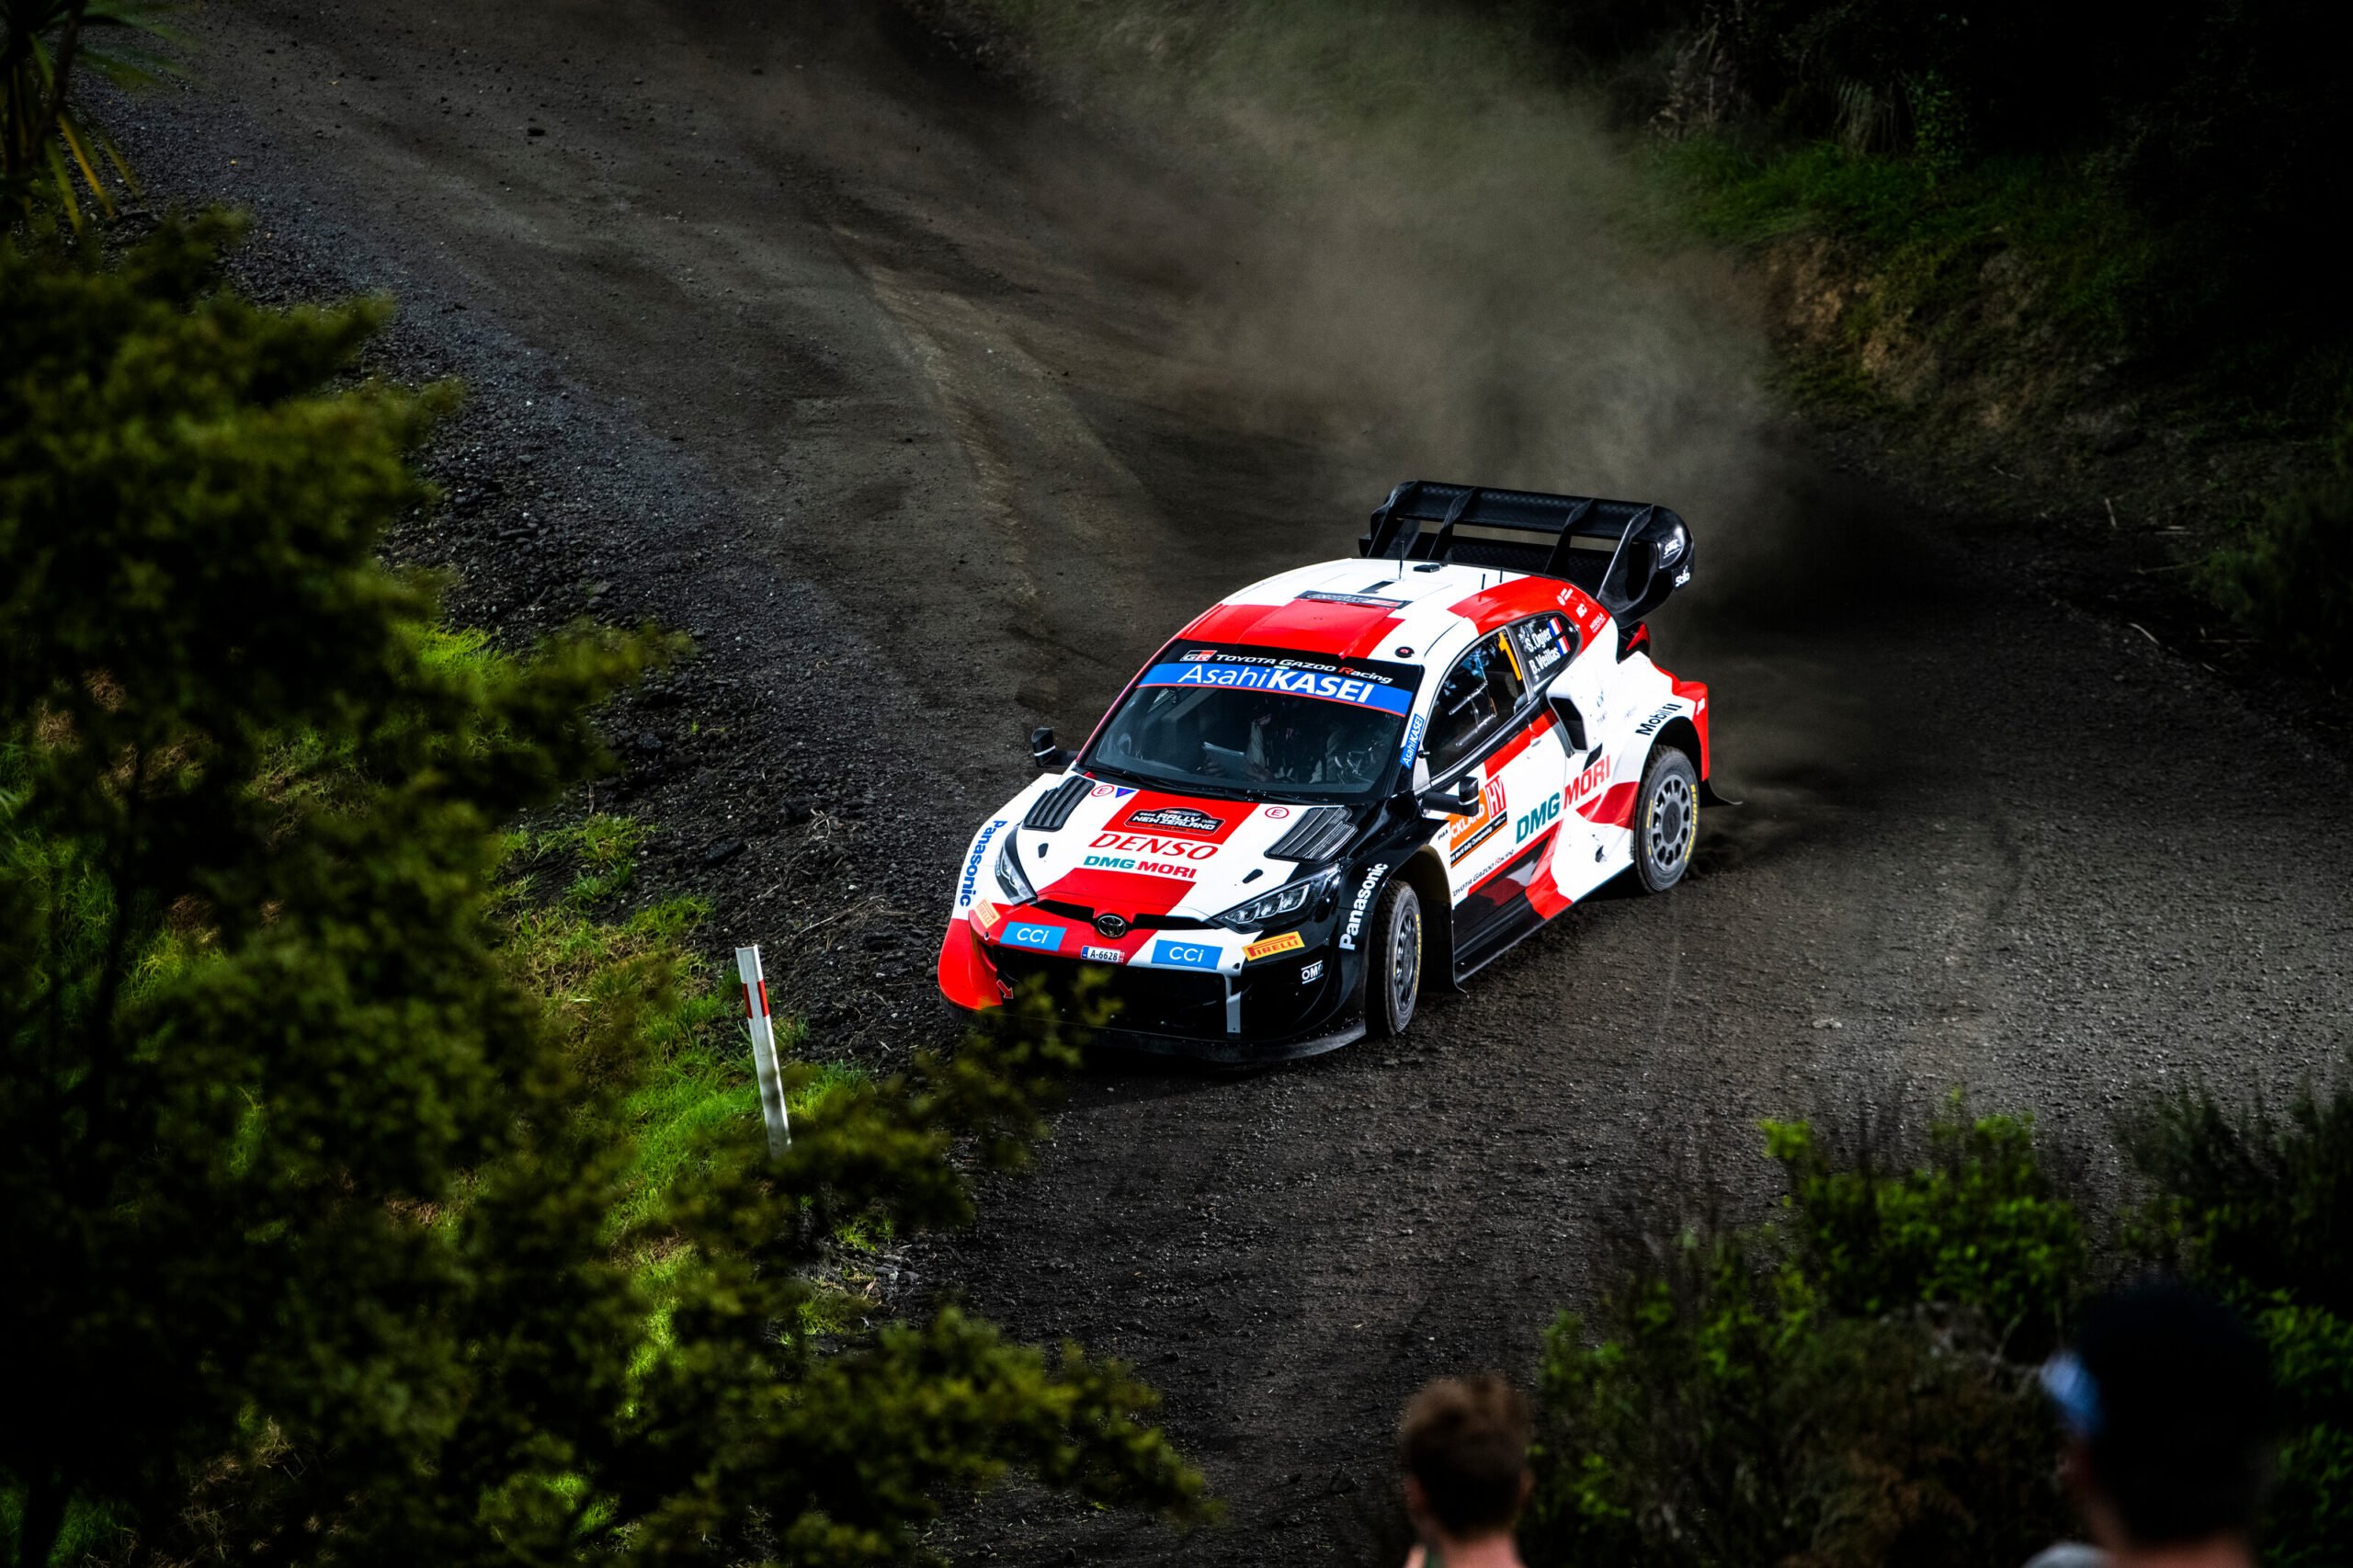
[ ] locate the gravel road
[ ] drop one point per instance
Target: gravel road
(790, 328)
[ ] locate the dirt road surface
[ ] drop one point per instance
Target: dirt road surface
(797, 332)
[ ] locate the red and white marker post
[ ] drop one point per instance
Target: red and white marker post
(764, 1062)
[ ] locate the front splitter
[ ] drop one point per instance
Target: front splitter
(1230, 1051)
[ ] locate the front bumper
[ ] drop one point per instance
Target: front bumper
(1298, 1004)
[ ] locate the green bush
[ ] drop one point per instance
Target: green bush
(1854, 1383)
(2260, 1204)
(1978, 1227)
(2289, 577)
(1838, 1388)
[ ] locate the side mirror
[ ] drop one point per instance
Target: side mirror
(1048, 757)
(1463, 800)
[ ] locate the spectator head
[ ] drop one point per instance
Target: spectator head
(1464, 1444)
(2166, 1399)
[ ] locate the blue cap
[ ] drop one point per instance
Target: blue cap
(2071, 1388)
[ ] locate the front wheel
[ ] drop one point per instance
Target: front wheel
(1666, 819)
(1392, 961)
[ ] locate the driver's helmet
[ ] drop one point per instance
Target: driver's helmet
(1284, 743)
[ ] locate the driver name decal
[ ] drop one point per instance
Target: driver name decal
(1543, 643)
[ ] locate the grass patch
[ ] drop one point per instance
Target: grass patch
(703, 1093)
(598, 853)
(2078, 256)
(701, 1096)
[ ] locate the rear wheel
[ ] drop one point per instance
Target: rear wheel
(1393, 980)
(1666, 819)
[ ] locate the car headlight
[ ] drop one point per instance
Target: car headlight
(1008, 874)
(1286, 902)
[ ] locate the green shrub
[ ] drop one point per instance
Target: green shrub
(1977, 1227)
(2249, 1194)
(1840, 1389)
(2289, 577)
(1854, 1384)
(2260, 1204)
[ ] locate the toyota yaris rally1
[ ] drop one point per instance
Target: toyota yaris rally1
(1353, 780)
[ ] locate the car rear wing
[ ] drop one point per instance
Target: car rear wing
(1628, 554)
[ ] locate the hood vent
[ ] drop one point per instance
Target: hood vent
(1054, 807)
(1317, 837)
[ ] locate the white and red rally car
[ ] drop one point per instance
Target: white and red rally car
(1350, 777)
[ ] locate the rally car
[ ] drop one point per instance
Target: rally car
(1352, 780)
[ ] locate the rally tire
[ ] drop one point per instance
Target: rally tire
(1666, 819)
(1393, 960)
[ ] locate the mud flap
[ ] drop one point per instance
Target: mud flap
(1708, 796)
(967, 978)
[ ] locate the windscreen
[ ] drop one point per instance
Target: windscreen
(1257, 721)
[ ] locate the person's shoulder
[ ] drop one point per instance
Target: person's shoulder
(2069, 1554)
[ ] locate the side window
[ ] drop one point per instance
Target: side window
(1477, 695)
(1544, 643)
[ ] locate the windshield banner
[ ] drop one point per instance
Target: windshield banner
(1330, 687)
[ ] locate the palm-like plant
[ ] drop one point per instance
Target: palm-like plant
(42, 132)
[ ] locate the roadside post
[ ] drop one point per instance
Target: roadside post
(764, 1062)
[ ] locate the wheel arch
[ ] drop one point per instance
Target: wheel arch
(1427, 875)
(1684, 735)
(1688, 738)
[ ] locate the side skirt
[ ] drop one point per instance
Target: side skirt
(1515, 918)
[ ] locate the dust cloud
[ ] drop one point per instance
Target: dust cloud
(1425, 255)
(1406, 246)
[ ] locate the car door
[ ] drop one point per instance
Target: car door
(1592, 734)
(1487, 723)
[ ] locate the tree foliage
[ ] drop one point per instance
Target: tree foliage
(307, 1197)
